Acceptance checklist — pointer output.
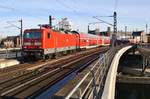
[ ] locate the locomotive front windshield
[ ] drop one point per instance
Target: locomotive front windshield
(33, 35)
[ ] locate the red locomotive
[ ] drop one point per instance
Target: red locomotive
(46, 42)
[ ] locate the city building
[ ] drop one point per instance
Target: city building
(11, 41)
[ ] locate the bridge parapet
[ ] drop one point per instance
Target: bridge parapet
(109, 89)
(90, 82)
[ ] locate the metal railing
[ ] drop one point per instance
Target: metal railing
(92, 83)
(10, 53)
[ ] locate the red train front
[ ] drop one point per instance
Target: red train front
(45, 42)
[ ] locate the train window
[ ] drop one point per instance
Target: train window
(49, 35)
(32, 35)
(27, 35)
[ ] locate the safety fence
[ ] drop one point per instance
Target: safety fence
(91, 83)
(10, 53)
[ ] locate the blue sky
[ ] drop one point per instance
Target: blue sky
(132, 13)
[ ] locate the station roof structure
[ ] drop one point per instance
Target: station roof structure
(137, 33)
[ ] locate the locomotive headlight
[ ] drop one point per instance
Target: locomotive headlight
(27, 43)
(24, 47)
(38, 43)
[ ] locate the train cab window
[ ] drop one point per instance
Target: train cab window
(48, 35)
(33, 35)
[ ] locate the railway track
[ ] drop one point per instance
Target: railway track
(22, 69)
(35, 82)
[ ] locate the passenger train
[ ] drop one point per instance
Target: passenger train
(46, 42)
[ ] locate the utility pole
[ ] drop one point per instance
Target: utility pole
(21, 33)
(114, 35)
(115, 22)
(125, 32)
(146, 28)
(88, 28)
(18, 27)
(50, 21)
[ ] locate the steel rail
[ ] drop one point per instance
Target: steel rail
(10, 73)
(11, 90)
(38, 81)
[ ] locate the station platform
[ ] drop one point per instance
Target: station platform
(9, 49)
(8, 62)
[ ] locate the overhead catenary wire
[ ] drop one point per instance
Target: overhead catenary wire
(78, 4)
(6, 7)
(116, 5)
(103, 21)
(72, 8)
(12, 9)
(66, 6)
